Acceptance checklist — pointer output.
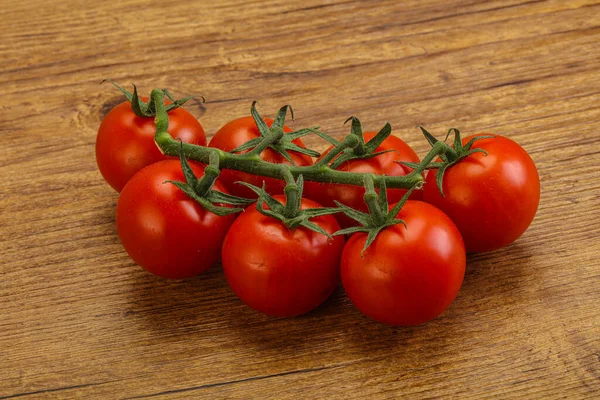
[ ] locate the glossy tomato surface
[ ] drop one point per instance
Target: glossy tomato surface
(279, 271)
(125, 142)
(163, 229)
(492, 199)
(384, 164)
(409, 275)
(240, 131)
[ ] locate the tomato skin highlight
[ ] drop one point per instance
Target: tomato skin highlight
(125, 142)
(384, 164)
(410, 275)
(165, 231)
(492, 199)
(240, 131)
(277, 271)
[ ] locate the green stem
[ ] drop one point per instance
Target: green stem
(451, 153)
(348, 142)
(437, 149)
(371, 199)
(211, 173)
(274, 136)
(359, 149)
(257, 166)
(356, 130)
(293, 196)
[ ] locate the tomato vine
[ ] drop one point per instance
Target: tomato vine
(251, 162)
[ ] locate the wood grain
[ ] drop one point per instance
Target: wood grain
(79, 320)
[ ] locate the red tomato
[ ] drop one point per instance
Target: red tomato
(384, 164)
(240, 131)
(409, 275)
(492, 199)
(125, 142)
(163, 229)
(279, 271)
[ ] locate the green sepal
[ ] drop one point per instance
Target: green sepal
(393, 213)
(313, 227)
(176, 103)
(477, 151)
(283, 151)
(371, 236)
(469, 144)
(345, 155)
(148, 110)
(262, 126)
(323, 136)
(360, 150)
(260, 207)
(457, 141)
(214, 196)
(348, 155)
(411, 165)
(433, 165)
(275, 138)
(204, 202)
(376, 141)
(263, 195)
(444, 158)
(351, 230)
(430, 138)
(290, 218)
(360, 217)
(299, 183)
(188, 173)
(379, 216)
(302, 150)
(140, 108)
(125, 93)
(201, 190)
(250, 186)
(318, 212)
(400, 222)
(451, 155)
(383, 201)
(247, 146)
(279, 121)
(439, 177)
(302, 132)
(219, 210)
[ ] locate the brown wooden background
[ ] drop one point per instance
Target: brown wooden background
(79, 319)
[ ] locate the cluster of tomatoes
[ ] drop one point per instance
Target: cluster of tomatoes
(409, 273)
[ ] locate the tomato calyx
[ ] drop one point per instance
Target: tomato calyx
(451, 155)
(356, 147)
(379, 216)
(201, 190)
(148, 109)
(290, 213)
(275, 138)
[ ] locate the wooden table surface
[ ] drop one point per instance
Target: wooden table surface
(78, 319)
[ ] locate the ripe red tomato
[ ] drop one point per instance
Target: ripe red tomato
(492, 199)
(163, 229)
(279, 271)
(240, 131)
(383, 164)
(409, 275)
(125, 142)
